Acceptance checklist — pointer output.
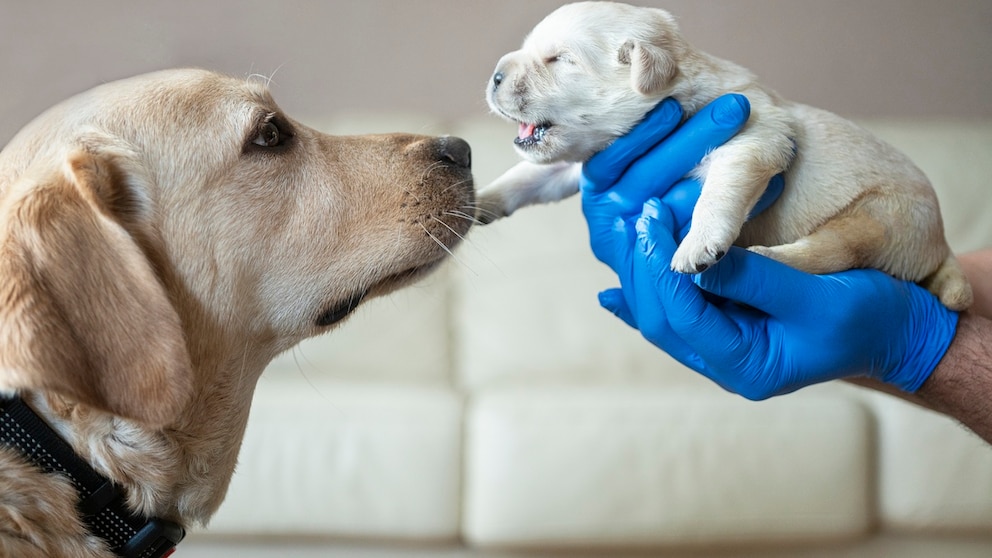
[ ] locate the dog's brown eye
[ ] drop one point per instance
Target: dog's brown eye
(268, 135)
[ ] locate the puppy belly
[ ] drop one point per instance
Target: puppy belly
(857, 239)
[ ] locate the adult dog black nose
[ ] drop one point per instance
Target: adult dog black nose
(498, 78)
(457, 151)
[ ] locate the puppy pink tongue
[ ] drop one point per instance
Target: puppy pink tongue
(526, 130)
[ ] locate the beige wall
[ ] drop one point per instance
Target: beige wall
(857, 57)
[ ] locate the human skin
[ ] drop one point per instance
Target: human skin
(961, 385)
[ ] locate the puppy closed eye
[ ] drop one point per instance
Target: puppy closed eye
(558, 57)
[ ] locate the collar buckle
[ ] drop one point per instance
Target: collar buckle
(157, 539)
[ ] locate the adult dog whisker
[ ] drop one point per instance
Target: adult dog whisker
(467, 240)
(447, 226)
(457, 184)
(462, 215)
(446, 249)
(427, 172)
(481, 212)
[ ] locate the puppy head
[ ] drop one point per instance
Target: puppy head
(584, 76)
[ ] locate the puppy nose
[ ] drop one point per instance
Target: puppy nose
(457, 151)
(498, 78)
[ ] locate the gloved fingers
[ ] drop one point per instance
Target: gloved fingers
(603, 169)
(601, 203)
(762, 283)
(681, 200)
(706, 334)
(655, 327)
(613, 244)
(654, 173)
(614, 302)
(774, 189)
(655, 285)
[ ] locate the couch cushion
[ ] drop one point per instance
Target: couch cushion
(323, 458)
(933, 473)
(630, 466)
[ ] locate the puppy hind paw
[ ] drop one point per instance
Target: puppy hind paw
(766, 251)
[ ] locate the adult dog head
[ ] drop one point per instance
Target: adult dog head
(584, 76)
(164, 237)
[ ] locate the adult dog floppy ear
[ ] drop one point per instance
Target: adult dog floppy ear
(82, 312)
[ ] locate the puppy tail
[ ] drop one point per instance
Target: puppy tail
(949, 284)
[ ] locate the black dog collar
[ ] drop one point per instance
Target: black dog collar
(101, 503)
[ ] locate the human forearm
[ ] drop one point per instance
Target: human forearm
(961, 385)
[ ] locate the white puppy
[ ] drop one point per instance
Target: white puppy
(591, 70)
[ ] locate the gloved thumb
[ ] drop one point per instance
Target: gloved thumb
(613, 301)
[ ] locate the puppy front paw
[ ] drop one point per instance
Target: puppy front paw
(697, 252)
(489, 207)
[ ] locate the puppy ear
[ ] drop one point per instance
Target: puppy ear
(82, 312)
(652, 68)
(653, 56)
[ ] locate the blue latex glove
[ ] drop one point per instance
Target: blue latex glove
(796, 329)
(639, 166)
(652, 161)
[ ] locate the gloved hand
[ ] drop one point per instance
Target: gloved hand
(793, 329)
(651, 161)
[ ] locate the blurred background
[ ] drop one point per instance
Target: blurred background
(860, 58)
(494, 405)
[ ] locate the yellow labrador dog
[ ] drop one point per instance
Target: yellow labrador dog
(162, 238)
(591, 70)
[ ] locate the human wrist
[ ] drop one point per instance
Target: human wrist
(929, 332)
(961, 383)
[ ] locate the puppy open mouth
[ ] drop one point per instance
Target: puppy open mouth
(531, 134)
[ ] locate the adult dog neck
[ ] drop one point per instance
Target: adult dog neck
(180, 472)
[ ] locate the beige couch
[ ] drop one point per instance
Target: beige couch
(496, 404)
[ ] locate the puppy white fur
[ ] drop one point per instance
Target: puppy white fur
(591, 70)
(162, 239)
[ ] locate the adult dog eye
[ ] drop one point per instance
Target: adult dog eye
(269, 135)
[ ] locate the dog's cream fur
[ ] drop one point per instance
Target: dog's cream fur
(162, 239)
(591, 70)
